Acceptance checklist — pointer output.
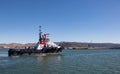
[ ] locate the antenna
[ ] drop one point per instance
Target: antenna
(40, 33)
(39, 29)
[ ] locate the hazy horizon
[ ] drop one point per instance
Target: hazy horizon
(59, 41)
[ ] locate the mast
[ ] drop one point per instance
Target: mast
(40, 34)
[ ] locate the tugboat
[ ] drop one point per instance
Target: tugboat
(43, 46)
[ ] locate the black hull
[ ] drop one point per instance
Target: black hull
(18, 52)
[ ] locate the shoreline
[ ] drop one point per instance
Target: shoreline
(66, 45)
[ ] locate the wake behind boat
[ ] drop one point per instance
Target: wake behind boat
(43, 46)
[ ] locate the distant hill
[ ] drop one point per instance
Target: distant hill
(17, 45)
(67, 45)
(79, 45)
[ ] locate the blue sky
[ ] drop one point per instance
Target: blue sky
(65, 20)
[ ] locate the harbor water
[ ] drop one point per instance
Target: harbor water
(68, 62)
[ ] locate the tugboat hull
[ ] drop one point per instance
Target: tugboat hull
(19, 52)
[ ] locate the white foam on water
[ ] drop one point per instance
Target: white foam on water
(3, 55)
